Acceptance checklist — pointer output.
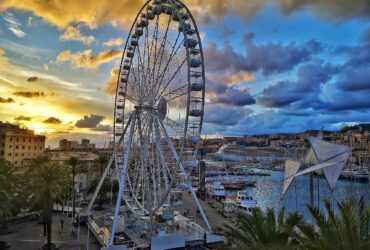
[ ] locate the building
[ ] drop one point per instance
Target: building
(85, 144)
(85, 172)
(18, 145)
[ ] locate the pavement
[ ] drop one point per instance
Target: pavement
(29, 235)
(211, 208)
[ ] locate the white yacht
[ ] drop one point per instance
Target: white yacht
(216, 190)
(245, 203)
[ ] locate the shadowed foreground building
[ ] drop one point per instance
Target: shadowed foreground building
(18, 145)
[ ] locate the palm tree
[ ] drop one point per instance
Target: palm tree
(8, 190)
(348, 229)
(102, 162)
(73, 162)
(262, 230)
(47, 184)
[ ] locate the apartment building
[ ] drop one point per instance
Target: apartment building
(18, 145)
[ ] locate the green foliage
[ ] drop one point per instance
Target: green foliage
(348, 229)
(264, 230)
(8, 189)
(47, 184)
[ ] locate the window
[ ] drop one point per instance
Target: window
(22, 154)
(3, 144)
(10, 154)
(40, 148)
(17, 140)
(16, 147)
(16, 154)
(10, 146)
(22, 147)
(24, 140)
(29, 140)
(2, 152)
(15, 162)
(11, 139)
(29, 147)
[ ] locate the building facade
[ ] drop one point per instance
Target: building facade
(18, 145)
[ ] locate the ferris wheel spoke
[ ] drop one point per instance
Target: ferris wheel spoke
(168, 83)
(162, 73)
(162, 48)
(172, 95)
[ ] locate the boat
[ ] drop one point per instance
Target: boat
(230, 181)
(360, 174)
(243, 198)
(216, 190)
(245, 203)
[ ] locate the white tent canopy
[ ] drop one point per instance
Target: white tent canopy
(291, 168)
(325, 156)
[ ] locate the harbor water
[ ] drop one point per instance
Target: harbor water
(267, 192)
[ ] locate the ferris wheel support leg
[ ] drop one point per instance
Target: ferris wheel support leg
(123, 176)
(88, 210)
(174, 153)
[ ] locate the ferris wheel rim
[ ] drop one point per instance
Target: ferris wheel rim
(185, 132)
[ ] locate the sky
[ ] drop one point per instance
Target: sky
(271, 65)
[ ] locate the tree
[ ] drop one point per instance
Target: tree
(348, 229)
(262, 230)
(8, 191)
(73, 162)
(47, 184)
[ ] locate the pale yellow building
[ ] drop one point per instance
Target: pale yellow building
(18, 145)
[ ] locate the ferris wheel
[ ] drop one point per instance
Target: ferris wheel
(158, 114)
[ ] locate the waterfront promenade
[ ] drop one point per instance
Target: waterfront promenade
(29, 235)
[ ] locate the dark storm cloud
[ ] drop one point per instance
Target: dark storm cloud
(52, 120)
(269, 58)
(32, 79)
(224, 116)
(277, 58)
(91, 121)
(6, 100)
(304, 92)
(29, 94)
(23, 118)
(233, 96)
(224, 58)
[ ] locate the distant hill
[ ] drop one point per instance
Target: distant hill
(358, 127)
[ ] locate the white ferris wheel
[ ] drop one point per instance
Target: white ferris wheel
(158, 113)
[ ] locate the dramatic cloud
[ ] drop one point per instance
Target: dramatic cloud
(224, 116)
(6, 100)
(52, 120)
(32, 79)
(233, 96)
(87, 59)
(114, 42)
(305, 91)
(29, 94)
(332, 9)
(277, 58)
(91, 121)
(63, 13)
(93, 13)
(23, 118)
(74, 34)
(111, 85)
